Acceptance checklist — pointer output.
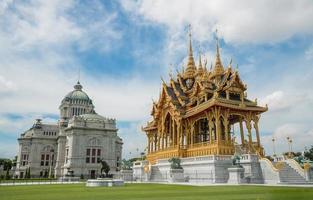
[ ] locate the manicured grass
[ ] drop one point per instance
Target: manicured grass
(152, 191)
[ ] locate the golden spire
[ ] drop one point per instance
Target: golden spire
(200, 63)
(218, 67)
(191, 68)
(200, 70)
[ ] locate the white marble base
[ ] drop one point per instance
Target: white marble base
(126, 174)
(176, 175)
(104, 182)
(236, 175)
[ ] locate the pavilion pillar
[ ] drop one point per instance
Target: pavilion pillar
(226, 123)
(173, 133)
(242, 136)
(218, 130)
(211, 125)
(165, 141)
(192, 129)
(155, 142)
(248, 125)
(149, 144)
(256, 127)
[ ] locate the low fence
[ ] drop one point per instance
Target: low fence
(36, 181)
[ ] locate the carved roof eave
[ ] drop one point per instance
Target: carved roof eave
(181, 98)
(149, 128)
(232, 80)
(182, 86)
(195, 89)
(215, 102)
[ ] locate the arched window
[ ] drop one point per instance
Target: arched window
(24, 156)
(93, 151)
(47, 156)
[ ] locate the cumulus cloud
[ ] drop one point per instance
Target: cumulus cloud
(240, 21)
(136, 144)
(297, 132)
(38, 66)
(280, 100)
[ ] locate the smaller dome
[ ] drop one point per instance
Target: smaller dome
(77, 93)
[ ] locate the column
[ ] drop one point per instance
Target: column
(226, 122)
(256, 127)
(155, 142)
(159, 142)
(248, 125)
(241, 132)
(149, 145)
(218, 130)
(179, 130)
(211, 125)
(192, 129)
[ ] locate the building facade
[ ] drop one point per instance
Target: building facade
(77, 144)
(197, 110)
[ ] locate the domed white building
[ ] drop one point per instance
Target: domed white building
(77, 143)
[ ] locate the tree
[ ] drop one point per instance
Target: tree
(7, 166)
(126, 164)
(308, 154)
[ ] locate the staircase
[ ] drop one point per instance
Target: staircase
(288, 175)
(156, 175)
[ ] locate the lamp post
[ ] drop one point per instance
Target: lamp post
(274, 152)
(290, 142)
(289, 146)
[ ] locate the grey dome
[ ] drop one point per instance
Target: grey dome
(77, 94)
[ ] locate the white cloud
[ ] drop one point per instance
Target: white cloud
(238, 21)
(38, 68)
(280, 100)
(134, 140)
(309, 53)
(300, 135)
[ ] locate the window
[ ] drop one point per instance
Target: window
(47, 157)
(24, 160)
(93, 155)
(42, 162)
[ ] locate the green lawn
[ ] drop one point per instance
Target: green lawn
(152, 191)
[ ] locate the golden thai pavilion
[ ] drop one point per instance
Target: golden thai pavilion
(196, 111)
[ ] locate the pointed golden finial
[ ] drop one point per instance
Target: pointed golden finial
(163, 80)
(190, 44)
(218, 67)
(170, 72)
(191, 68)
(230, 62)
(200, 62)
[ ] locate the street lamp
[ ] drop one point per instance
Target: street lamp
(289, 146)
(274, 152)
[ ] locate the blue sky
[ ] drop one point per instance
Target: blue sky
(122, 48)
